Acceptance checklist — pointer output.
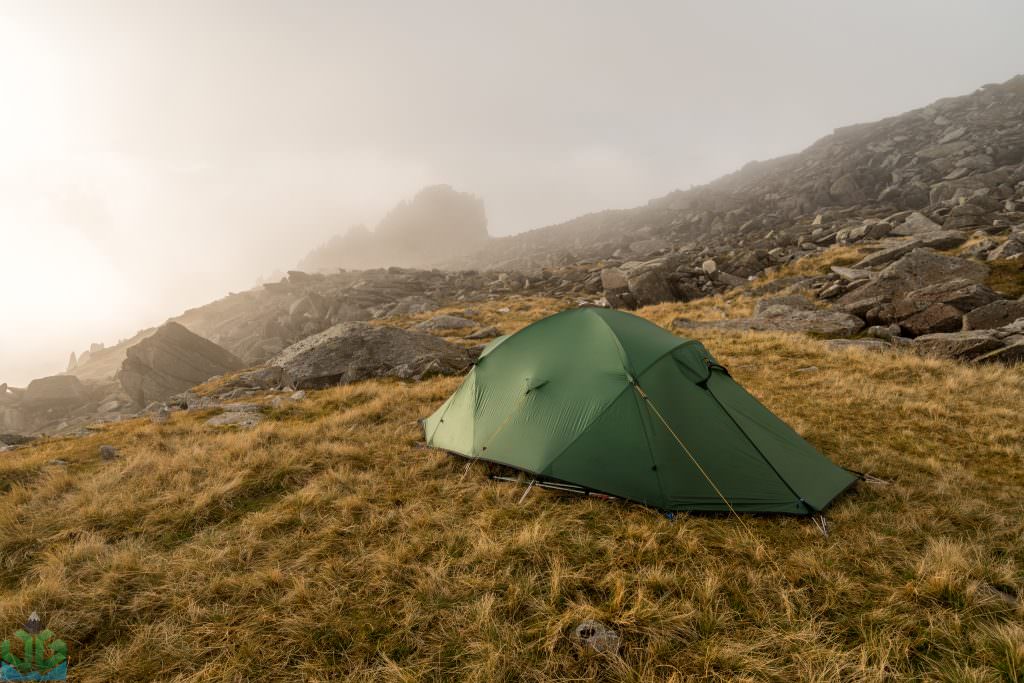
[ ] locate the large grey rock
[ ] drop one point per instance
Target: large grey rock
(613, 280)
(170, 361)
(790, 300)
(846, 190)
(1010, 248)
(648, 247)
(940, 239)
(484, 333)
(782, 318)
(1008, 355)
(915, 224)
(885, 255)
(350, 352)
(934, 318)
(960, 293)
(852, 274)
(650, 288)
(962, 345)
(58, 390)
(410, 305)
(995, 314)
(919, 268)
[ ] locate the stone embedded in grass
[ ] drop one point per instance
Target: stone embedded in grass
(108, 452)
(241, 419)
(445, 322)
(485, 333)
(598, 637)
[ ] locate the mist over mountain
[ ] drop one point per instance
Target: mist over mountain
(439, 223)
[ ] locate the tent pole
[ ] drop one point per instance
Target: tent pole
(526, 492)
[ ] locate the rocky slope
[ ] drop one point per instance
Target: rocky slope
(903, 232)
(926, 159)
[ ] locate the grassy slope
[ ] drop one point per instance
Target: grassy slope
(325, 546)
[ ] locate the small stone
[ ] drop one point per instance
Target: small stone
(298, 395)
(235, 419)
(709, 266)
(485, 333)
(885, 332)
(108, 452)
(598, 637)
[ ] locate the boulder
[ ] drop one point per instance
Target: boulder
(919, 268)
(961, 345)
(790, 300)
(485, 333)
(15, 439)
(852, 274)
(934, 318)
(846, 190)
(916, 223)
(869, 230)
(445, 322)
(613, 280)
(994, 314)
(355, 351)
(410, 305)
(170, 361)
(940, 239)
(885, 255)
(58, 390)
(1010, 354)
(962, 294)
(649, 247)
(650, 288)
(783, 318)
(1010, 248)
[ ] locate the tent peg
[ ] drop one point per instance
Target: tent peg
(526, 492)
(821, 523)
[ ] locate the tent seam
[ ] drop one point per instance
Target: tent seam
(759, 452)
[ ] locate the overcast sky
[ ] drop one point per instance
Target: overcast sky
(155, 155)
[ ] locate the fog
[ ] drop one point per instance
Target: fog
(156, 155)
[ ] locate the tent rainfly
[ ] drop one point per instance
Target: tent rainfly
(612, 403)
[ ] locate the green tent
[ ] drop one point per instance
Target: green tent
(612, 403)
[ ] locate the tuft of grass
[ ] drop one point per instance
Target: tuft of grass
(324, 544)
(1006, 277)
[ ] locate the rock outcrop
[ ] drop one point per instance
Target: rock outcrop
(170, 361)
(787, 317)
(350, 352)
(56, 391)
(435, 225)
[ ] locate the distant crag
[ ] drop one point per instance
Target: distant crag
(436, 224)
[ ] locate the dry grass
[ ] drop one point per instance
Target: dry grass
(323, 545)
(1006, 277)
